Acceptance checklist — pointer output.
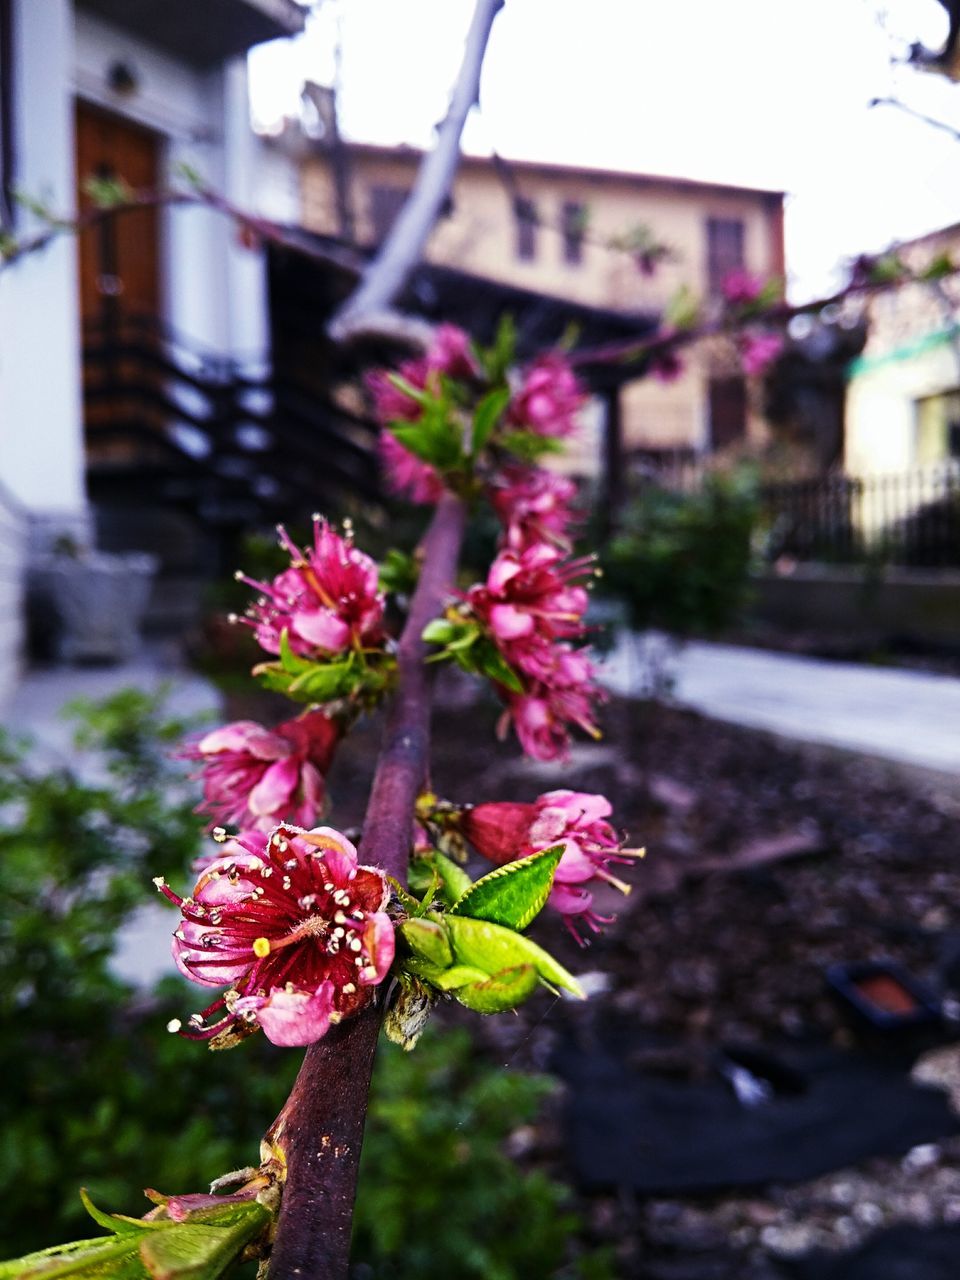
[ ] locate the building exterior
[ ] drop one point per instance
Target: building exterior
(580, 234)
(903, 396)
(112, 89)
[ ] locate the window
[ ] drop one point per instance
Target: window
(728, 411)
(6, 116)
(937, 428)
(725, 237)
(525, 213)
(385, 204)
(573, 223)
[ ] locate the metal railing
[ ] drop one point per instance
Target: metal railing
(911, 518)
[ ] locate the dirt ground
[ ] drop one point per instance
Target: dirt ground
(766, 863)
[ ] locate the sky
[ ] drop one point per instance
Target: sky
(767, 93)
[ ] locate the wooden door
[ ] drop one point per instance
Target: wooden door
(119, 257)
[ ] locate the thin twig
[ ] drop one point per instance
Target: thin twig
(917, 115)
(403, 247)
(320, 1129)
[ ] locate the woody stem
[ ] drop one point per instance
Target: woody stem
(320, 1129)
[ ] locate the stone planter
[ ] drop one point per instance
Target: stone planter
(99, 601)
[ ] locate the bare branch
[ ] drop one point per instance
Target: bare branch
(917, 115)
(404, 246)
(320, 1128)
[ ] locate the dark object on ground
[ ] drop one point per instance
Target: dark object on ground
(902, 1253)
(884, 997)
(662, 1137)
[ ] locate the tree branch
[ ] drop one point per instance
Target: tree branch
(404, 246)
(320, 1129)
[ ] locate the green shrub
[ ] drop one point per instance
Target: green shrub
(681, 560)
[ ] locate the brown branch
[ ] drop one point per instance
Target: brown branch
(403, 247)
(320, 1129)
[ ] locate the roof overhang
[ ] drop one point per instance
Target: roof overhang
(202, 32)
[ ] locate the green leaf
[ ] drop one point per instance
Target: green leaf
(194, 1251)
(406, 388)
(439, 631)
(288, 659)
(489, 661)
(454, 881)
(493, 948)
(501, 992)
(112, 1258)
(119, 1224)
(458, 975)
(321, 683)
(528, 446)
(398, 572)
(486, 416)
(512, 894)
(428, 940)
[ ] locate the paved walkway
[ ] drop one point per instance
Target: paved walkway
(908, 717)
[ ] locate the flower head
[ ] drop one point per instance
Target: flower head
(577, 820)
(533, 505)
(327, 601)
(407, 475)
(543, 713)
(740, 287)
(549, 399)
(254, 777)
(758, 350)
(292, 926)
(449, 354)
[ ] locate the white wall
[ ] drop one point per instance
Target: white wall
(41, 442)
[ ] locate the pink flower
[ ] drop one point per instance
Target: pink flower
(449, 354)
(758, 350)
(542, 714)
(666, 366)
(255, 777)
(531, 599)
(533, 505)
(292, 926)
(741, 287)
(406, 474)
(549, 398)
(328, 600)
(506, 831)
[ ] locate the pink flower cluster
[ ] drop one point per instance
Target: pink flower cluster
(449, 355)
(506, 831)
(327, 601)
(740, 287)
(293, 926)
(549, 399)
(532, 602)
(533, 505)
(254, 777)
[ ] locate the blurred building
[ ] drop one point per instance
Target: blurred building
(584, 236)
(138, 92)
(903, 397)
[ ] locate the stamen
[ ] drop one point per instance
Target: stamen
(174, 1025)
(261, 947)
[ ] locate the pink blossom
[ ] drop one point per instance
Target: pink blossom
(506, 831)
(328, 600)
(758, 350)
(565, 696)
(549, 398)
(449, 354)
(667, 366)
(531, 599)
(741, 287)
(406, 474)
(533, 505)
(292, 926)
(255, 777)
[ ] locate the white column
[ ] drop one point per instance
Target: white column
(41, 419)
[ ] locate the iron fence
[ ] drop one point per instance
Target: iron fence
(911, 518)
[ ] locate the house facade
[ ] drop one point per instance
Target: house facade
(903, 395)
(140, 93)
(580, 234)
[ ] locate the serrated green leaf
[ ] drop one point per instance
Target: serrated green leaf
(514, 893)
(194, 1251)
(501, 992)
(272, 676)
(323, 682)
(492, 947)
(109, 1258)
(486, 416)
(428, 940)
(454, 881)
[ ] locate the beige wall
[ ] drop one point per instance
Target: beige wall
(480, 237)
